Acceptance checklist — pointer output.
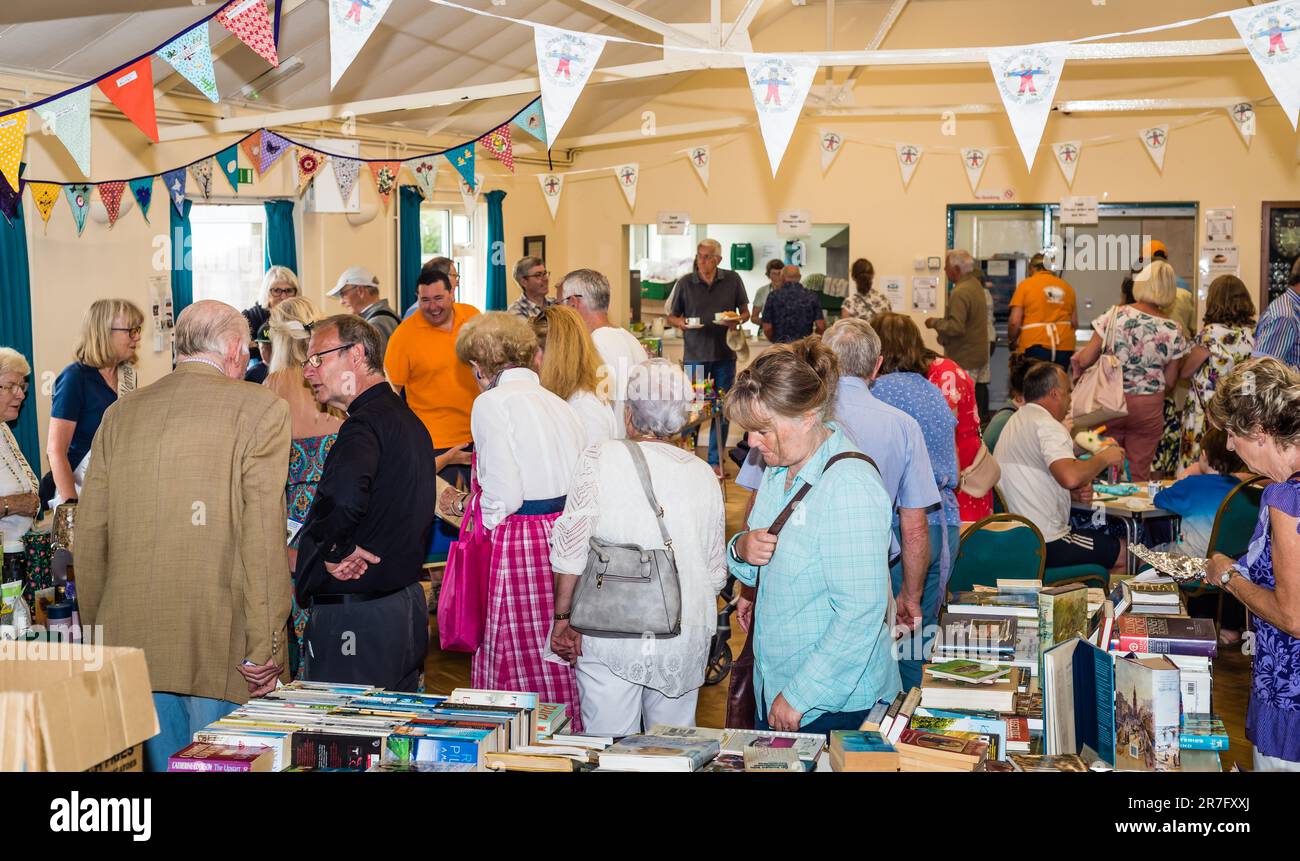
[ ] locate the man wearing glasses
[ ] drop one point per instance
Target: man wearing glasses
(697, 300)
(535, 282)
(362, 548)
(358, 290)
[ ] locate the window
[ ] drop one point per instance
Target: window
(446, 233)
(228, 252)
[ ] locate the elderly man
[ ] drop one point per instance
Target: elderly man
(358, 290)
(963, 330)
(534, 282)
(446, 266)
(1043, 316)
(1278, 332)
(363, 546)
(701, 296)
(587, 292)
(793, 312)
(181, 530)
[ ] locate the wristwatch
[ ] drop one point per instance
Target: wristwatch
(1226, 576)
(563, 617)
(731, 551)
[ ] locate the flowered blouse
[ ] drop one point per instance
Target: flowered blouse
(865, 305)
(1144, 344)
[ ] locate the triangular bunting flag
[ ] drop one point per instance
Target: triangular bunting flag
(142, 191)
(309, 164)
(909, 156)
(252, 147)
(974, 159)
(1067, 159)
(1027, 77)
(462, 158)
(532, 121)
(1243, 117)
(202, 173)
(68, 119)
(779, 85)
(498, 144)
(425, 171)
(700, 156)
(252, 26)
(191, 54)
(110, 194)
(131, 89)
(830, 145)
(174, 182)
(272, 146)
(1272, 35)
(228, 161)
(351, 23)
(45, 195)
(10, 200)
(565, 61)
(469, 195)
(13, 136)
(1156, 139)
(385, 174)
(627, 176)
(552, 187)
(79, 199)
(346, 171)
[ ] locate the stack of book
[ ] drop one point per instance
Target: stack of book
(996, 695)
(928, 751)
(862, 750)
(200, 756)
(659, 753)
(1202, 732)
(1148, 595)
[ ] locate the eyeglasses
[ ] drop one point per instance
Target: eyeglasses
(571, 299)
(14, 388)
(315, 358)
(541, 274)
(283, 291)
(134, 331)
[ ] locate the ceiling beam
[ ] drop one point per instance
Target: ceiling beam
(221, 47)
(891, 17)
(830, 38)
(715, 23)
(743, 20)
(644, 21)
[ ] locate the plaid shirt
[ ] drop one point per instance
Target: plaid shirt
(1278, 332)
(527, 308)
(822, 637)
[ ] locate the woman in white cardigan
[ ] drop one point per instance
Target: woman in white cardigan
(626, 685)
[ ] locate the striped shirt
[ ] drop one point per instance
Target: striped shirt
(1278, 332)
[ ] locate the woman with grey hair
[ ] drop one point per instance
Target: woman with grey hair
(623, 686)
(19, 502)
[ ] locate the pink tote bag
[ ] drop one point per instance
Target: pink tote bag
(462, 604)
(1099, 394)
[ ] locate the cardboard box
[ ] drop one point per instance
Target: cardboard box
(131, 759)
(67, 707)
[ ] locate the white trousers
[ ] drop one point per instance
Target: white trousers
(1262, 763)
(613, 706)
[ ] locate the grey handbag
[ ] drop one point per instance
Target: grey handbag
(628, 590)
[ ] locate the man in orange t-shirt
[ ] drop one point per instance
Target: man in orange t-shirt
(1043, 316)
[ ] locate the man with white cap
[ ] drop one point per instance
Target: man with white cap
(358, 290)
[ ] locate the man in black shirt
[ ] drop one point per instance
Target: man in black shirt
(362, 550)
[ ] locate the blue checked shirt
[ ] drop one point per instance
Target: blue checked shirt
(823, 639)
(1278, 332)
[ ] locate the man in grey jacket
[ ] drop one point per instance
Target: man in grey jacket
(358, 290)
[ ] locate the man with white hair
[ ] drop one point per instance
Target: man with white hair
(534, 283)
(587, 292)
(181, 530)
(358, 290)
(963, 330)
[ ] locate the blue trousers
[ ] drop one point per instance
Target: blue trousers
(1045, 354)
(723, 373)
(909, 665)
(179, 717)
(825, 723)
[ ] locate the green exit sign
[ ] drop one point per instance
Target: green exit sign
(245, 176)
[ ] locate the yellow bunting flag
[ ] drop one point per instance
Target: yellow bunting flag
(45, 195)
(13, 134)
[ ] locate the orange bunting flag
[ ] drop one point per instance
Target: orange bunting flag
(385, 174)
(131, 89)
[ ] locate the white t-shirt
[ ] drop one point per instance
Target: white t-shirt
(620, 351)
(1030, 443)
(596, 417)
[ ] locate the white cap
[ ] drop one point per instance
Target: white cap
(358, 275)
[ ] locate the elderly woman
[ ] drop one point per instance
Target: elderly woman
(865, 302)
(278, 284)
(823, 650)
(1227, 337)
(1258, 404)
(624, 687)
(19, 501)
(570, 367)
(103, 371)
(1149, 346)
(522, 480)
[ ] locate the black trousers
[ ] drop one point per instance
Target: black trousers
(381, 643)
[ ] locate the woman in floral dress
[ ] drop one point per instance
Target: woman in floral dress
(865, 302)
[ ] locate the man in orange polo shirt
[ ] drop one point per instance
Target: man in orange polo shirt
(1043, 316)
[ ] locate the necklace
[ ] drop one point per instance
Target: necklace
(27, 479)
(207, 362)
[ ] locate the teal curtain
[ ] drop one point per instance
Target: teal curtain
(16, 324)
(281, 247)
(496, 274)
(182, 258)
(408, 244)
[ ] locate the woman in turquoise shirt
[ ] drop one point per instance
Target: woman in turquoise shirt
(824, 650)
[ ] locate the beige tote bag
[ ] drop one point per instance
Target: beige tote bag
(1099, 394)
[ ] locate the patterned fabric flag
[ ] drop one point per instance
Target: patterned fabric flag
(1272, 35)
(469, 195)
(273, 146)
(829, 145)
(532, 121)
(10, 199)
(13, 135)
(1243, 117)
(974, 159)
(425, 171)
(252, 147)
(565, 60)
(385, 174)
(552, 187)
(700, 157)
(1027, 77)
(909, 156)
(779, 84)
(191, 55)
(79, 199)
(202, 174)
(351, 23)
(346, 171)
(499, 145)
(110, 194)
(45, 195)
(628, 175)
(131, 89)
(142, 191)
(252, 26)
(68, 119)
(1067, 159)
(309, 163)
(228, 160)
(174, 182)
(462, 158)
(1156, 139)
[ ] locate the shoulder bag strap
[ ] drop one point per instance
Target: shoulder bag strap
(779, 523)
(643, 473)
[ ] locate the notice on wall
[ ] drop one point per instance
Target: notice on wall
(893, 287)
(794, 222)
(925, 294)
(1218, 258)
(1079, 210)
(1218, 225)
(673, 223)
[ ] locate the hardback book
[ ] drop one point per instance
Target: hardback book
(728, 764)
(996, 765)
(891, 713)
(996, 696)
(859, 750)
(550, 717)
(989, 726)
(921, 747)
(967, 671)
(1062, 615)
(1162, 591)
(278, 741)
(875, 716)
(393, 766)
(691, 732)
(515, 761)
(201, 756)
(1200, 760)
(1019, 587)
(1202, 732)
(476, 697)
(1146, 714)
(658, 753)
(806, 745)
(1078, 684)
(437, 744)
(1053, 762)
(1030, 707)
(591, 742)
(346, 750)
(973, 636)
(1025, 655)
(498, 734)
(1105, 623)
(1018, 738)
(523, 728)
(1168, 611)
(993, 604)
(772, 759)
(1157, 635)
(904, 719)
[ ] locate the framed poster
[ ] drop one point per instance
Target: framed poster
(535, 246)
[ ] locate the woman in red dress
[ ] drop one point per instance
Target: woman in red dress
(959, 391)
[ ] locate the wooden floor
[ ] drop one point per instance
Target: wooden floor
(447, 670)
